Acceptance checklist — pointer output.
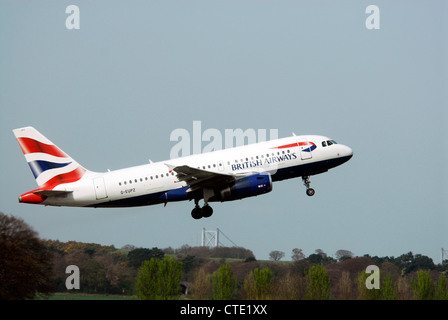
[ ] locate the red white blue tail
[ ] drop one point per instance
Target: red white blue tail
(50, 165)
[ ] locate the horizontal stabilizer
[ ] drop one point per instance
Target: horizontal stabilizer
(39, 195)
(52, 193)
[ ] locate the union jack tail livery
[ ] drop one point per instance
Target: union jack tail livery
(50, 165)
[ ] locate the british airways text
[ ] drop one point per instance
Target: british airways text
(267, 161)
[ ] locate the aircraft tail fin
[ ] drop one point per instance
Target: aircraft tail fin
(50, 165)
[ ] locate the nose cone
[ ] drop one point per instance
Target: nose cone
(344, 153)
(347, 152)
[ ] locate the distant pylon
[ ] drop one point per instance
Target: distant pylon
(444, 255)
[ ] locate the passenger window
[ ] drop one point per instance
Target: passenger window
(324, 143)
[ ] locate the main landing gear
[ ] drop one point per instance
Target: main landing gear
(306, 181)
(198, 212)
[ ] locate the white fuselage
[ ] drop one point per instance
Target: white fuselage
(156, 182)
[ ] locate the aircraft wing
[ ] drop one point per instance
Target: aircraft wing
(198, 178)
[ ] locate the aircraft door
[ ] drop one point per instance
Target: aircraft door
(100, 188)
(305, 149)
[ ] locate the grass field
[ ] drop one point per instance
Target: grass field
(85, 296)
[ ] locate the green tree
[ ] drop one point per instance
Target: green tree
(409, 262)
(387, 289)
(441, 292)
(25, 263)
(258, 283)
(318, 283)
(94, 277)
(320, 257)
(420, 262)
(423, 287)
(364, 293)
(224, 284)
(159, 279)
(137, 256)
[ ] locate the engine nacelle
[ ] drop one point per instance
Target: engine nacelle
(249, 186)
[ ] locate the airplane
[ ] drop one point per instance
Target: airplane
(220, 175)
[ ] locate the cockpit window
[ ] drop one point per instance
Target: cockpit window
(328, 143)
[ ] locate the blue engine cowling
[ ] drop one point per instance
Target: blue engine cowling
(249, 186)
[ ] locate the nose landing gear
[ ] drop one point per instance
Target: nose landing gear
(306, 181)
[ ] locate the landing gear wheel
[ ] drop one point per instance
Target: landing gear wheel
(310, 192)
(306, 181)
(207, 211)
(196, 213)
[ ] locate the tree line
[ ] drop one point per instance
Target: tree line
(159, 279)
(31, 267)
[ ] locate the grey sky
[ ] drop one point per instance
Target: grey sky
(111, 93)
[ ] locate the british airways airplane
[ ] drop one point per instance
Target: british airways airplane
(222, 175)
